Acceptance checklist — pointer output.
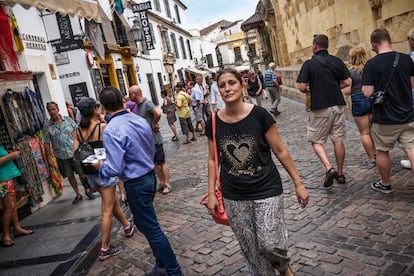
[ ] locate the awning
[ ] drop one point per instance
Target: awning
(83, 8)
(197, 71)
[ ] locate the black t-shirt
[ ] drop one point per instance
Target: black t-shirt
(398, 104)
(252, 86)
(247, 171)
(324, 74)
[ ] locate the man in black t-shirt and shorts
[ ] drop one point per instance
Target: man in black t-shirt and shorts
(393, 120)
(323, 77)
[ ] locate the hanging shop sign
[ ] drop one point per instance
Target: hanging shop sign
(65, 27)
(67, 41)
(121, 81)
(78, 91)
(69, 75)
(141, 11)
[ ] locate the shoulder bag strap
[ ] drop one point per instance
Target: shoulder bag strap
(394, 65)
(80, 135)
(326, 64)
(213, 123)
(92, 132)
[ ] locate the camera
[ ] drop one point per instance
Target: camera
(378, 97)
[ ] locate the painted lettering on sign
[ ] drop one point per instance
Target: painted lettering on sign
(141, 6)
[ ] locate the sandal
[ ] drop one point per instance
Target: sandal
(175, 138)
(187, 142)
(341, 179)
(29, 232)
(329, 177)
(7, 243)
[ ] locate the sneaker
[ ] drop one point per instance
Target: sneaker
(105, 254)
(377, 186)
(369, 163)
(167, 189)
(156, 271)
(90, 195)
(77, 199)
(129, 231)
(330, 175)
(406, 164)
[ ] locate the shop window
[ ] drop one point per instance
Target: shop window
(105, 75)
(153, 91)
(252, 50)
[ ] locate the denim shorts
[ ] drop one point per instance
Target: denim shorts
(159, 157)
(361, 105)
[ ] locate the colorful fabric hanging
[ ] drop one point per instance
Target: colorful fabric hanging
(8, 56)
(55, 179)
(16, 33)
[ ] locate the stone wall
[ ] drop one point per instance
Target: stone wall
(346, 22)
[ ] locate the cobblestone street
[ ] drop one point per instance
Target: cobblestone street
(346, 230)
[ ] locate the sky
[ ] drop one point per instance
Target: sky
(202, 13)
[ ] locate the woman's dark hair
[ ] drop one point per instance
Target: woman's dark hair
(87, 108)
(111, 99)
(164, 93)
(230, 71)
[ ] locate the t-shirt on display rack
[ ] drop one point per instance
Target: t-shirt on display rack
(22, 116)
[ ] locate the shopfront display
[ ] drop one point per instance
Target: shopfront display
(22, 116)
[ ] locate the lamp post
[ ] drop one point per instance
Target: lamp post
(136, 30)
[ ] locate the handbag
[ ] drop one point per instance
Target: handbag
(220, 216)
(379, 96)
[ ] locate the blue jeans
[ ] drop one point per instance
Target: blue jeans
(140, 193)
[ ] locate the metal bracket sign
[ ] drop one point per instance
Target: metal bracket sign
(141, 11)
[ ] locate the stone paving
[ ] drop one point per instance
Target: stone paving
(346, 230)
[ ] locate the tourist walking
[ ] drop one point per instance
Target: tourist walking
(254, 89)
(91, 127)
(272, 85)
(168, 108)
(361, 105)
(323, 77)
(393, 118)
(130, 151)
(246, 135)
(183, 102)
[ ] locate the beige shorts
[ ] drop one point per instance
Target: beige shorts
(385, 136)
(327, 122)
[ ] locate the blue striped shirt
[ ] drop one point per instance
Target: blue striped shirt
(270, 78)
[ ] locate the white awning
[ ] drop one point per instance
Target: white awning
(83, 8)
(198, 71)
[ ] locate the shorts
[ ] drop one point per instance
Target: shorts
(385, 136)
(198, 112)
(7, 188)
(171, 119)
(95, 182)
(361, 105)
(186, 125)
(159, 157)
(327, 122)
(68, 167)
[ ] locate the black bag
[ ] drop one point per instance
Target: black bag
(84, 150)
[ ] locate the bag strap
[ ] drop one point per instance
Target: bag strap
(394, 65)
(92, 132)
(213, 122)
(326, 64)
(80, 135)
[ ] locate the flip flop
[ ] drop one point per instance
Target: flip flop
(175, 138)
(29, 232)
(7, 243)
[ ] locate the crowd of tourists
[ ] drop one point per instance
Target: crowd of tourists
(125, 133)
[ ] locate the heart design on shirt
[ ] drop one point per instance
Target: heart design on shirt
(240, 152)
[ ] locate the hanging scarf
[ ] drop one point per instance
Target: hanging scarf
(16, 33)
(7, 54)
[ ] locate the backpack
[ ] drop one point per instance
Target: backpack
(84, 150)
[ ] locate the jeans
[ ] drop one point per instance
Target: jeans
(140, 193)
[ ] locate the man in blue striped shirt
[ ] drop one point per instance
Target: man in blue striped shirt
(273, 88)
(130, 150)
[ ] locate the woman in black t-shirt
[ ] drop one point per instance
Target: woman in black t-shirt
(252, 189)
(254, 89)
